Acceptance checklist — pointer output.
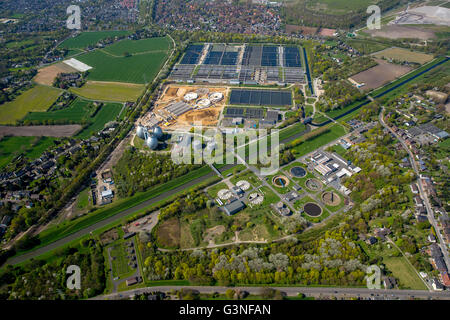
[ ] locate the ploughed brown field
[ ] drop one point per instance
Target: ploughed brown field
(40, 131)
(291, 28)
(402, 32)
(381, 74)
(47, 75)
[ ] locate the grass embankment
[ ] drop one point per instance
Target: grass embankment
(68, 227)
(311, 141)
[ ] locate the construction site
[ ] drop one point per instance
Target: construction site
(179, 107)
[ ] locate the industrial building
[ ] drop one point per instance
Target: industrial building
(233, 207)
(151, 136)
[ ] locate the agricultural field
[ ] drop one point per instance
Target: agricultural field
(402, 32)
(40, 130)
(138, 46)
(47, 75)
(381, 74)
(38, 98)
(109, 91)
(338, 7)
(77, 112)
(108, 112)
(31, 147)
(138, 67)
(404, 55)
(86, 39)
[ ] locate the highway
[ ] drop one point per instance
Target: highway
(294, 291)
(430, 212)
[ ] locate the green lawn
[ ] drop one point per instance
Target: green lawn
(38, 98)
(403, 271)
(247, 175)
(108, 112)
(319, 118)
(86, 39)
(139, 46)
(212, 191)
(109, 91)
(120, 267)
(78, 111)
(337, 148)
(141, 68)
(269, 196)
(31, 147)
(82, 200)
(312, 144)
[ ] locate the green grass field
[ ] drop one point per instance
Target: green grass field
(319, 118)
(104, 91)
(312, 144)
(366, 46)
(338, 7)
(120, 267)
(337, 112)
(38, 98)
(404, 272)
(138, 46)
(136, 68)
(212, 191)
(78, 111)
(108, 112)
(31, 147)
(86, 39)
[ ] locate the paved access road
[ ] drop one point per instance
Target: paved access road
(293, 291)
(430, 211)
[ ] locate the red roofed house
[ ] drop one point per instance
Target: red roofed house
(445, 279)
